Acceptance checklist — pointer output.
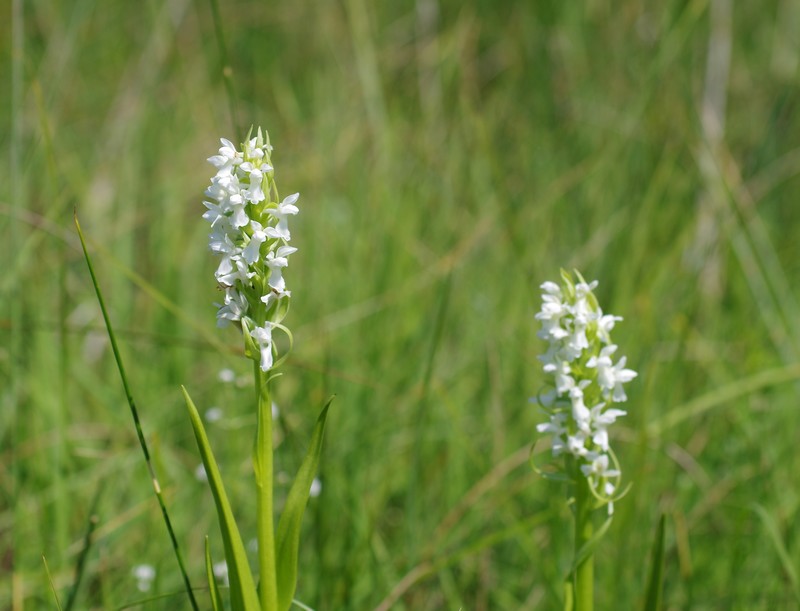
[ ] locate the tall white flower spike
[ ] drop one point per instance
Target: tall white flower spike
(250, 234)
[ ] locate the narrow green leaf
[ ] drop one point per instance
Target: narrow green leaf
(287, 539)
(242, 587)
(655, 580)
(780, 548)
(216, 597)
(587, 549)
(52, 585)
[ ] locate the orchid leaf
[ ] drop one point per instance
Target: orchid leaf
(242, 587)
(287, 540)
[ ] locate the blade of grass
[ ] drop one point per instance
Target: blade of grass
(200, 329)
(427, 568)
(16, 306)
(780, 548)
(723, 396)
(226, 69)
(216, 598)
(422, 417)
(80, 565)
(148, 602)
(135, 414)
(52, 585)
(655, 580)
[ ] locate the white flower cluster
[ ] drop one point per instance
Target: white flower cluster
(585, 381)
(144, 574)
(250, 233)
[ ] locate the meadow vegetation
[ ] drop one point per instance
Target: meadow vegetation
(451, 156)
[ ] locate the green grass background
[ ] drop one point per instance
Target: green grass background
(450, 156)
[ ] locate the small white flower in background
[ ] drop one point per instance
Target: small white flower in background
(250, 233)
(227, 376)
(584, 382)
(213, 414)
(144, 574)
(220, 570)
(200, 473)
(316, 488)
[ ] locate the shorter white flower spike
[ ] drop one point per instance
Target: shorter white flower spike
(583, 381)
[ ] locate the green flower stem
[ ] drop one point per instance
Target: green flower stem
(584, 529)
(268, 588)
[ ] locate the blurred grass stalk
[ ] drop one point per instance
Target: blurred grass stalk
(16, 305)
